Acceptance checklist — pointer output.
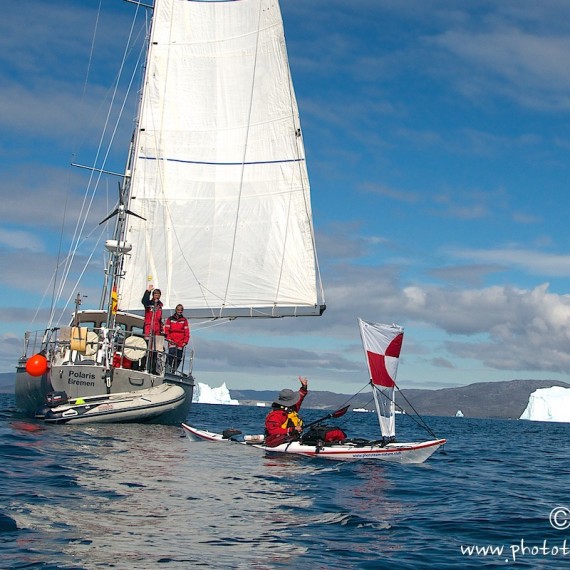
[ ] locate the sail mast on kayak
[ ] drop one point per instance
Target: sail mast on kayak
(382, 345)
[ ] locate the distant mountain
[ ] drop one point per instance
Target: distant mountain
(314, 399)
(481, 400)
(7, 380)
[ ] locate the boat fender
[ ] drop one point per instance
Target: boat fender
(254, 438)
(78, 340)
(37, 365)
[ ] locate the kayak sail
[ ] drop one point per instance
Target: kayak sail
(382, 345)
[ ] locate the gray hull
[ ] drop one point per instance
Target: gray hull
(87, 381)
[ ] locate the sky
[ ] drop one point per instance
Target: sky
(437, 136)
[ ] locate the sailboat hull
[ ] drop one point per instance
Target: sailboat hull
(413, 452)
(167, 403)
(87, 373)
(30, 391)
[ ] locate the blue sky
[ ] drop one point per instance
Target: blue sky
(437, 136)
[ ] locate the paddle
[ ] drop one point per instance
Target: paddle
(287, 438)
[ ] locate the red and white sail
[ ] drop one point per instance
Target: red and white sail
(382, 345)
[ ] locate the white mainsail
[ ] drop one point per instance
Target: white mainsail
(218, 168)
(382, 345)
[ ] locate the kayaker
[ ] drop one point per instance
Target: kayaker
(283, 419)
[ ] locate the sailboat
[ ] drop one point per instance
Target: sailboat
(214, 209)
(382, 345)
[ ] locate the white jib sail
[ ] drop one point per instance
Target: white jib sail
(219, 168)
(382, 345)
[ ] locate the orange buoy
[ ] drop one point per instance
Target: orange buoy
(36, 365)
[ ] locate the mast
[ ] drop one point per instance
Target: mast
(118, 247)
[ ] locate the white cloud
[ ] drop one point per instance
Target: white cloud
(20, 240)
(532, 261)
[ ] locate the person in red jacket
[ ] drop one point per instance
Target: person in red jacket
(283, 419)
(152, 323)
(152, 312)
(177, 332)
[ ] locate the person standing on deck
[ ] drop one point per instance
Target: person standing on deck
(152, 321)
(177, 332)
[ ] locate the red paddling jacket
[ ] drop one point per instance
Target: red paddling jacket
(152, 315)
(281, 420)
(177, 331)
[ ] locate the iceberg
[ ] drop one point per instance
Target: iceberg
(548, 405)
(204, 394)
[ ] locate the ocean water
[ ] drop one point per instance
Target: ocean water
(144, 497)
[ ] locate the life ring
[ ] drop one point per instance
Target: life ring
(135, 348)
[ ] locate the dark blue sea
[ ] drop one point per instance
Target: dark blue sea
(144, 497)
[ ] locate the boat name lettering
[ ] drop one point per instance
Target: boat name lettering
(71, 382)
(89, 376)
(74, 378)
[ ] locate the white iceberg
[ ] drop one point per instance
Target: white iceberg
(204, 394)
(548, 405)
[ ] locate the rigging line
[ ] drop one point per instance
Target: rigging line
(418, 420)
(347, 402)
(79, 278)
(91, 51)
(59, 264)
(245, 146)
(210, 324)
(76, 144)
(89, 62)
(54, 274)
(58, 260)
(114, 274)
(52, 278)
(425, 425)
(345, 420)
(108, 94)
(92, 187)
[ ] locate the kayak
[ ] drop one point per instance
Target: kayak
(346, 450)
